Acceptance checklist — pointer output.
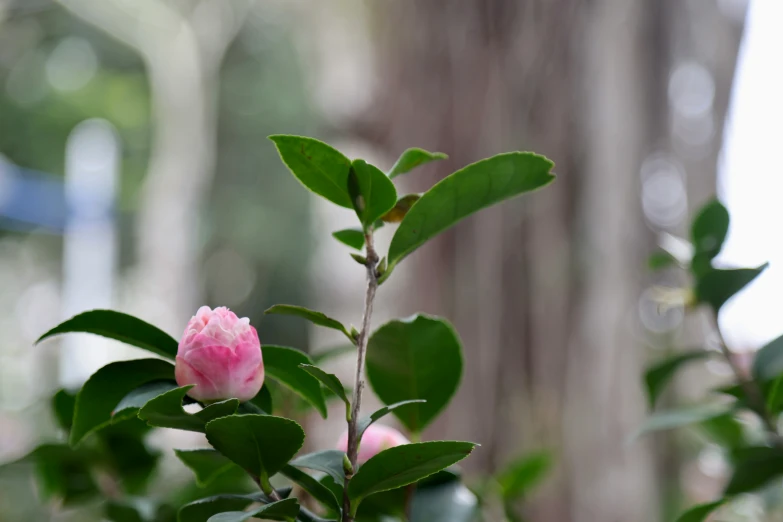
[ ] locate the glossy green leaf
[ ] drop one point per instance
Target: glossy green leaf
(314, 317)
(524, 474)
(660, 260)
(166, 411)
(412, 158)
(63, 406)
(318, 491)
(121, 327)
(130, 404)
(330, 381)
(701, 512)
(206, 464)
(754, 468)
(263, 400)
(717, 286)
(201, 510)
(658, 376)
(353, 237)
(372, 192)
(327, 461)
(401, 208)
(415, 358)
(450, 502)
(260, 444)
(708, 233)
(106, 388)
(319, 167)
(283, 365)
(768, 362)
(667, 420)
(365, 422)
(286, 510)
(403, 465)
(476, 186)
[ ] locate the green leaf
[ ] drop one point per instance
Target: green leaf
(137, 509)
(353, 237)
(127, 456)
(401, 208)
(660, 260)
(319, 167)
(201, 510)
(717, 286)
(415, 358)
(412, 158)
(403, 465)
(667, 420)
(726, 430)
(365, 422)
(64, 472)
(372, 193)
(263, 400)
(754, 468)
(768, 362)
(451, 502)
(329, 380)
(63, 405)
(708, 233)
(286, 510)
(318, 491)
(327, 461)
(121, 327)
(701, 512)
(106, 387)
(261, 444)
(165, 411)
(130, 404)
(658, 376)
(476, 186)
(314, 317)
(206, 464)
(282, 364)
(523, 474)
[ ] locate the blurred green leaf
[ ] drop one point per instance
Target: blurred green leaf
(130, 404)
(263, 400)
(403, 465)
(701, 512)
(63, 406)
(412, 158)
(365, 422)
(415, 358)
(667, 420)
(768, 362)
(318, 491)
(127, 456)
(372, 193)
(121, 327)
(523, 474)
(753, 468)
(201, 510)
(286, 510)
(333, 352)
(327, 461)
(107, 387)
(137, 509)
(260, 444)
(726, 430)
(330, 381)
(451, 502)
(466, 191)
(353, 237)
(314, 317)
(165, 411)
(708, 233)
(282, 364)
(658, 376)
(717, 286)
(319, 167)
(64, 472)
(206, 464)
(401, 208)
(660, 259)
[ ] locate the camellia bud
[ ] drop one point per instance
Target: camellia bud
(221, 354)
(375, 439)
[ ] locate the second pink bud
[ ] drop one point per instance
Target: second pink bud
(375, 439)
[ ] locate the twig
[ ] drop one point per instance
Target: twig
(356, 403)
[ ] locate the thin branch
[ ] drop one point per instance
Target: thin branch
(356, 403)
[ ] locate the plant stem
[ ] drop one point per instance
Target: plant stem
(356, 402)
(753, 392)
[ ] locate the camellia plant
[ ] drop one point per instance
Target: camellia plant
(741, 418)
(219, 383)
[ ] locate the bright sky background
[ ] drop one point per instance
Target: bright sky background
(751, 178)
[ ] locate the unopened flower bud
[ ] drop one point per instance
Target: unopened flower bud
(375, 439)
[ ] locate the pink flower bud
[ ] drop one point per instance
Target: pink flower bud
(376, 439)
(221, 355)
